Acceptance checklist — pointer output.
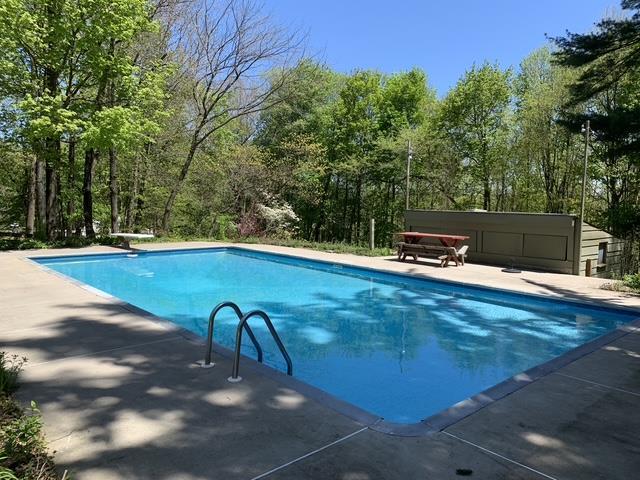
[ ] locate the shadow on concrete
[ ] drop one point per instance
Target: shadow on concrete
(145, 411)
(129, 408)
(613, 300)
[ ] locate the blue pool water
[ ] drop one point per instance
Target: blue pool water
(398, 347)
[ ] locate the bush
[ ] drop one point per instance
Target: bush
(280, 220)
(249, 225)
(632, 281)
(324, 247)
(69, 242)
(224, 227)
(22, 436)
(10, 367)
(20, 244)
(23, 451)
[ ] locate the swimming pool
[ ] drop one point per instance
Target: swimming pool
(400, 347)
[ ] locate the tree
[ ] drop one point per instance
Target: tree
(605, 55)
(608, 61)
(474, 115)
(550, 153)
(297, 133)
(56, 59)
(225, 50)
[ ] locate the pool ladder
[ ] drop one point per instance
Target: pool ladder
(243, 325)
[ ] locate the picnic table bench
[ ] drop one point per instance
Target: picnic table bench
(445, 252)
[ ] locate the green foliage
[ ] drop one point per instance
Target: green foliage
(321, 246)
(632, 282)
(23, 453)
(542, 143)
(475, 116)
(6, 473)
(70, 242)
(605, 55)
(607, 62)
(405, 101)
(114, 82)
(10, 367)
(225, 227)
(21, 436)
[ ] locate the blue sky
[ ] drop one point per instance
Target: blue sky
(444, 38)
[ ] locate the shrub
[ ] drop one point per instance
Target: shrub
(224, 227)
(69, 242)
(280, 220)
(10, 366)
(632, 281)
(249, 225)
(23, 452)
(22, 436)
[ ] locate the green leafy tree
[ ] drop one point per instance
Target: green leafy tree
(57, 55)
(475, 116)
(608, 64)
(549, 155)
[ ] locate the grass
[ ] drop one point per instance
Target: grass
(19, 243)
(324, 247)
(77, 242)
(285, 242)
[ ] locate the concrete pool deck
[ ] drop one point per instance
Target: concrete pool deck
(122, 398)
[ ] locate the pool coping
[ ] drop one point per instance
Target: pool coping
(430, 425)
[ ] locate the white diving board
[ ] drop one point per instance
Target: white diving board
(125, 238)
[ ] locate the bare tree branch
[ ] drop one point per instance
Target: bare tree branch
(234, 60)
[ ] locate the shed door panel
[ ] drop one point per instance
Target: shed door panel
(545, 246)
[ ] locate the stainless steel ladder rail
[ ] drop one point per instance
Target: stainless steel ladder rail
(241, 326)
(207, 358)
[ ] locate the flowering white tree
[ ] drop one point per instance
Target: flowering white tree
(279, 219)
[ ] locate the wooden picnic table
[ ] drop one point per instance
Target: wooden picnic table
(445, 239)
(447, 251)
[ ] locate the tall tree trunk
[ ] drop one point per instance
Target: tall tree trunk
(345, 206)
(113, 189)
(31, 200)
(52, 144)
(139, 209)
(52, 200)
(392, 216)
(41, 199)
(321, 209)
(358, 206)
(486, 199)
(133, 195)
(166, 217)
(87, 193)
(352, 217)
(336, 205)
(71, 180)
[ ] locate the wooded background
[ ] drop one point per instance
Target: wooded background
(206, 118)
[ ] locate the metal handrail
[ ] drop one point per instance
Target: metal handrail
(212, 317)
(243, 322)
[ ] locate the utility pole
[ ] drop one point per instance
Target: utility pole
(586, 129)
(409, 157)
(372, 234)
